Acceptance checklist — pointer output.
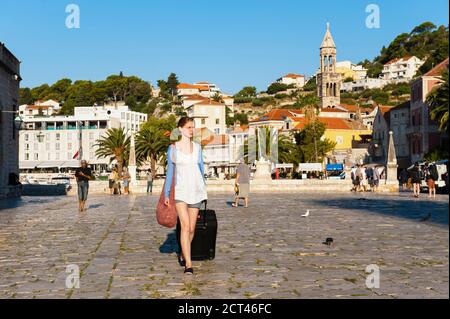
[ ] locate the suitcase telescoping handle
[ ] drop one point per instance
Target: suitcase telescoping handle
(205, 223)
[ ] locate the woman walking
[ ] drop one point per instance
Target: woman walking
(126, 180)
(185, 160)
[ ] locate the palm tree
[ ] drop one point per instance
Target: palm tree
(151, 143)
(286, 147)
(116, 145)
(438, 102)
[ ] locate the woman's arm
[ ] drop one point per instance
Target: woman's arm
(201, 165)
(170, 172)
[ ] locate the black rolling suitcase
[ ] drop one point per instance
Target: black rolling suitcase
(204, 243)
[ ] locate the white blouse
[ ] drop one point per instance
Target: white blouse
(189, 183)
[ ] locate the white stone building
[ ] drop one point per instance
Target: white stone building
(401, 69)
(27, 110)
(204, 89)
(291, 78)
(9, 96)
(363, 84)
(399, 122)
(208, 114)
(53, 142)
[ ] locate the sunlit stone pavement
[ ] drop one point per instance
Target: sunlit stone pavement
(265, 251)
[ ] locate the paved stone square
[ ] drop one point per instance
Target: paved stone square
(265, 251)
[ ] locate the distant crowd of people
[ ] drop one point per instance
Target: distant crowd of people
(412, 179)
(116, 181)
(366, 178)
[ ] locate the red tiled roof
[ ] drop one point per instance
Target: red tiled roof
(194, 97)
(330, 123)
(275, 115)
(190, 86)
(437, 70)
(293, 76)
(333, 110)
(217, 139)
(405, 58)
(208, 102)
(240, 129)
(350, 107)
(36, 107)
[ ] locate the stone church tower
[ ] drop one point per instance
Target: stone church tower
(328, 80)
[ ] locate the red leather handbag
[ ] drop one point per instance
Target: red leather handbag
(167, 215)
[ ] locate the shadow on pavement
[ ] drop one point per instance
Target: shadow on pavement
(170, 245)
(409, 208)
(22, 201)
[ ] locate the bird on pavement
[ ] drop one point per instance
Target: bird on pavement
(328, 241)
(306, 214)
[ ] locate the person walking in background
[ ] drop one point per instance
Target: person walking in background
(404, 179)
(117, 187)
(83, 174)
(375, 179)
(369, 176)
(358, 177)
(415, 179)
(431, 178)
(353, 178)
(111, 180)
(185, 164)
(364, 180)
(243, 183)
(126, 180)
(149, 181)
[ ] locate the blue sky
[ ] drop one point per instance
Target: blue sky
(232, 43)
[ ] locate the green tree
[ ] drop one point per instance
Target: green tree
(277, 87)
(311, 85)
(172, 83)
(247, 91)
(115, 145)
(438, 101)
(307, 101)
(25, 96)
(152, 141)
(40, 92)
(425, 27)
(310, 146)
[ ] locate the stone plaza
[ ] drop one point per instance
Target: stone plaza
(265, 251)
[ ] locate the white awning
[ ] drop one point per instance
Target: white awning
(310, 167)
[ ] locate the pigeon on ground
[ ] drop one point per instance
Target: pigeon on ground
(328, 241)
(306, 214)
(428, 217)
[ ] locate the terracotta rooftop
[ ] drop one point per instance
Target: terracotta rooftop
(404, 59)
(190, 86)
(438, 69)
(194, 97)
(333, 110)
(36, 107)
(275, 115)
(293, 76)
(217, 139)
(330, 123)
(208, 102)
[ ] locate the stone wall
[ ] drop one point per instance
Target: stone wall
(9, 95)
(276, 186)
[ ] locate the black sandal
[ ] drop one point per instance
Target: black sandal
(181, 262)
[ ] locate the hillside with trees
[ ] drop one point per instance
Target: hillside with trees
(426, 41)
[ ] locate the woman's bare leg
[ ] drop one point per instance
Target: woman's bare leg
(183, 215)
(193, 213)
